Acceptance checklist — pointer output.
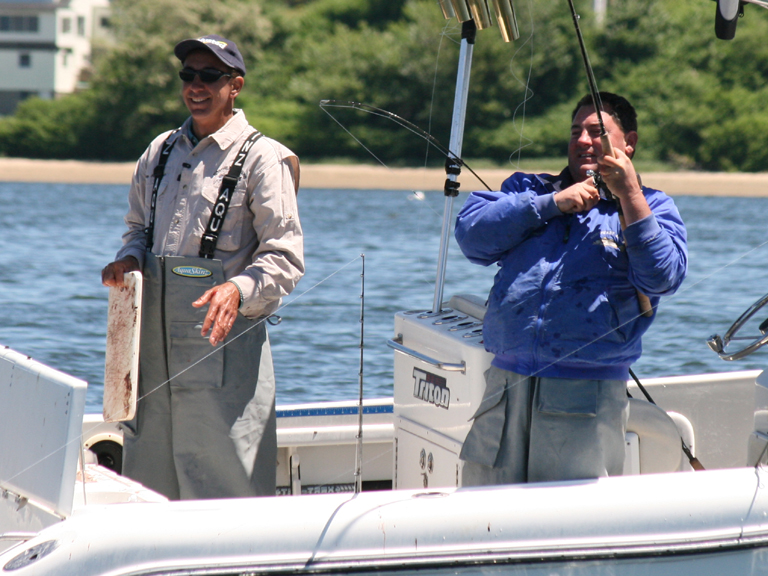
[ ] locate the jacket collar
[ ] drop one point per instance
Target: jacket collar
(555, 183)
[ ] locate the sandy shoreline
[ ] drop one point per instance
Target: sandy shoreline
(379, 178)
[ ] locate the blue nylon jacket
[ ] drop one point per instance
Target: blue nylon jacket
(564, 301)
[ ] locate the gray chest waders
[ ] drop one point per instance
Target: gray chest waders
(205, 424)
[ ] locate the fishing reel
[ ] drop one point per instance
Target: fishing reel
(602, 189)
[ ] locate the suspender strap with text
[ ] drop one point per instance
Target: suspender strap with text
(228, 183)
(158, 174)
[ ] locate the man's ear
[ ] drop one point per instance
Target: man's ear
(237, 85)
(630, 143)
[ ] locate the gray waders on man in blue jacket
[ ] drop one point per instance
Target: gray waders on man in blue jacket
(190, 422)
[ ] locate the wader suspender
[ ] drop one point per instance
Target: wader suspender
(158, 173)
(228, 183)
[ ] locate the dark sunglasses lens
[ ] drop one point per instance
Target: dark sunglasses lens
(211, 76)
(186, 75)
(206, 76)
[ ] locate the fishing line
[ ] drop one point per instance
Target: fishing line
(379, 160)
(225, 344)
(527, 92)
(217, 349)
(528, 95)
(449, 24)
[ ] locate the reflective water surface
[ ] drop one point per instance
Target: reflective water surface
(56, 238)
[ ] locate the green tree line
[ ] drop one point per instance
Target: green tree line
(700, 100)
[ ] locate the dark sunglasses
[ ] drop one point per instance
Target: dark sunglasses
(207, 76)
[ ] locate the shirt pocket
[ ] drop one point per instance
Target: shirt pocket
(231, 232)
(192, 361)
(572, 397)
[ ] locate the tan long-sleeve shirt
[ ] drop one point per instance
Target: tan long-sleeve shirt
(261, 242)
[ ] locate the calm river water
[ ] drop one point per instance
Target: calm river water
(56, 238)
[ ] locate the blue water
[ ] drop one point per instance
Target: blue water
(56, 238)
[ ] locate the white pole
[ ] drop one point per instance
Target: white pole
(600, 7)
(468, 31)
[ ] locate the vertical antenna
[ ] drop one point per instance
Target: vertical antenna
(359, 450)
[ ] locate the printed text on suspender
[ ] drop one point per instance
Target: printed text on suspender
(158, 174)
(219, 212)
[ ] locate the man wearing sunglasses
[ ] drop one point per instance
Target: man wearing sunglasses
(213, 225)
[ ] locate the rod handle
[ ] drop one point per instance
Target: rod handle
(646, 308)
(607, 146)
(696, 465)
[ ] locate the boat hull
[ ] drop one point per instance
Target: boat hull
(713, 522)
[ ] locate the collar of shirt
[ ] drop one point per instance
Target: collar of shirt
(224, 136)
(191, 135)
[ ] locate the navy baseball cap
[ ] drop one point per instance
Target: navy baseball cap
(225, 50)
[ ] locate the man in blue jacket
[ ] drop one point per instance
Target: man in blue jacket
(564, 321)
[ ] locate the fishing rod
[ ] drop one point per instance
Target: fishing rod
(645, 302)
(400, 121)
(695, 464)
(596, 101)
(359, 437)
(646, 308)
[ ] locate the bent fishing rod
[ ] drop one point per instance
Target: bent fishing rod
(400, 121)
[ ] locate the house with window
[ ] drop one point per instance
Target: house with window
(45, 45)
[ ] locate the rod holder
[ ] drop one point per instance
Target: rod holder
(447, 8)
(461, 10)
(480, 13)
(505, 15)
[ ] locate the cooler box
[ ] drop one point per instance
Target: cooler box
(440, 362)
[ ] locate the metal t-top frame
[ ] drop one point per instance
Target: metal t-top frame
(468, 32)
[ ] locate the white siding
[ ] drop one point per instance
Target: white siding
(56, 57)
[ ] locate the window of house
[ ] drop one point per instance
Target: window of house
(66, 25)
(25, 60)
(81, 25)
(18, 23)
(104, 22)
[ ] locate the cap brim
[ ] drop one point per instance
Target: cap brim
(183, 48)
(186, 46)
